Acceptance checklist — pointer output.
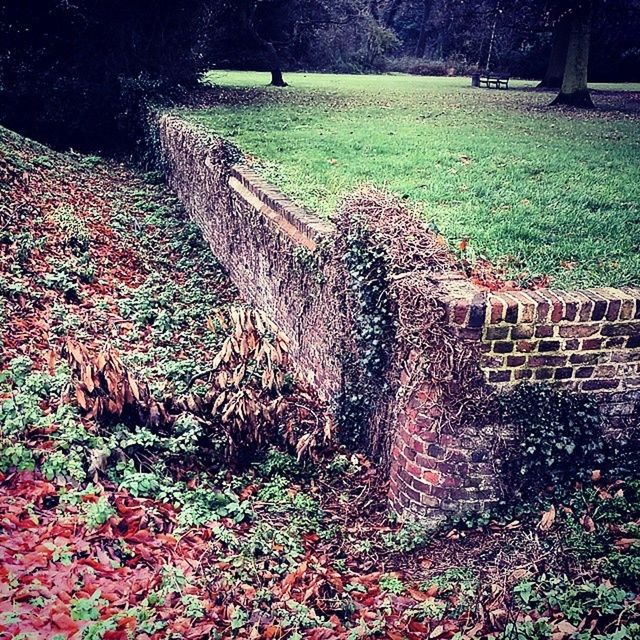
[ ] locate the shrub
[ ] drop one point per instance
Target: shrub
(425, 67)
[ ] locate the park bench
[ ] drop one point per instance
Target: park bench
(490, 80)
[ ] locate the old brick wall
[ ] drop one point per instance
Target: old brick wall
(281, 259)
(585, 340)
(271, 248)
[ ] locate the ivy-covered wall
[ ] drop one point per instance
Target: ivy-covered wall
(407, 352)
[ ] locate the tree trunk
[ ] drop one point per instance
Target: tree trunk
(389, 15)
(272, 53)
(574, 91)
(558, 59)
(422, 38)
(274, 62)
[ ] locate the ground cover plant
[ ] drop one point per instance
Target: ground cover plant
(549, 196)
(118, 522)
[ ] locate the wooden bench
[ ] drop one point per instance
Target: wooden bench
(490, 80)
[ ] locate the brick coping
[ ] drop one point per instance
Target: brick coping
(310, 226)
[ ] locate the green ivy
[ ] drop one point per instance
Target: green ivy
(374, 321)
(558, 437)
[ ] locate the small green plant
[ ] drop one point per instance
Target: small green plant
(278, 463)
(411, 536)
(90, 162)
(85, 609)
(392, 584)
(15, 456)
(97, 513)
(72, 228)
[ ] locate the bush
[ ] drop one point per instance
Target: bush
(424, 67)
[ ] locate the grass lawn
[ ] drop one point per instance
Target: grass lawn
(537, 191)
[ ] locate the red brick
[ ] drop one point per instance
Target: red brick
(418, 445)
(503, 347)
(591, 344)
(543, 374)
(621, 329)
(600, 385)
(451, 481)
(409, 453)
(599, 305)
(563, 373)
(584, 358)
(426, 461)
(499, 376)
(516, 361)
(571, 310)
(544, 307)
(606, 371)
(527, 306)
(525, 346)
(477, 311)
(413, 495)
(579, 330)
(613, 312)
(497, 310)
(586, 308)
(461, 312)
(557, 306)
(626, 311)
(511, 313)
(491, 362)
(522, 332)
(430, 477)
(497, 333)
(547, 361)
(421, 486)
(413, 469)
(547, 346)
(544, 331)
(585, 372)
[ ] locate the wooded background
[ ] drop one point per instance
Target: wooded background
(71, 73)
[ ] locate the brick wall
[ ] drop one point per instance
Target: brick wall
(270, 247)
(280, 258)
(585, 340)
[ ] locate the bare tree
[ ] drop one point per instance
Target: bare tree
(424, 25)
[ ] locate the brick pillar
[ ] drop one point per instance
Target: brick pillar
(434, 475)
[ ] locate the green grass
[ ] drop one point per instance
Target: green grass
(536, 190)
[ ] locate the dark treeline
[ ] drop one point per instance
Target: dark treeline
(74, 73)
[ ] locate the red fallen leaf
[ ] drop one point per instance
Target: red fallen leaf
(588, 524)
(438, 632)
(64, 623)
(418, 595)
(272, 631)
(547, 520)
(625, 543)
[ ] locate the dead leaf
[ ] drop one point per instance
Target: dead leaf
(548, 518)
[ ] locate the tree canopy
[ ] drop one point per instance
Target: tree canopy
(70, 72)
